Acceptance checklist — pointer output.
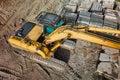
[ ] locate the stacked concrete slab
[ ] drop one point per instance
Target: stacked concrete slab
(96, 7)
(110, 19)
(107, 3)
(72, 5)
(84, 17)
(86, 4)
(109, 61)
(96, 19)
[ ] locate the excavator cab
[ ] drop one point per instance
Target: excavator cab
(50, 21)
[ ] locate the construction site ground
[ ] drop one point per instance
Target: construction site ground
(82, 60)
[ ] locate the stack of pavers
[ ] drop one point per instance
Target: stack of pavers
(110, 19)
(84, 17)
(96, 19)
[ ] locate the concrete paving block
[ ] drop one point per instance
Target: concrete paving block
(107, 3)
(75, 1)
(104, 57)
(109, 50)
(96, 7)
(68, 44)
(70, 7)
(105, 67)
(81, 8)
(114, 57)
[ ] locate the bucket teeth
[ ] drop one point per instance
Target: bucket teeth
(50, 62)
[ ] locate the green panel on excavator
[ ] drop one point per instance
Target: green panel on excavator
(49, 29)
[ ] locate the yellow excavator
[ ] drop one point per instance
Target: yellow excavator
(44, 38)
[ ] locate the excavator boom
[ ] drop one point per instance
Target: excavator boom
(84, 33)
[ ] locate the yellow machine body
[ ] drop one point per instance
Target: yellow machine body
(35, 33)
(30, 43)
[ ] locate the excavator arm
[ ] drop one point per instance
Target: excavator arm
(83, 33)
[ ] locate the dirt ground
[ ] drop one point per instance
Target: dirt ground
(13, 66)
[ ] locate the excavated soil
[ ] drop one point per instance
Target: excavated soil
(82, 60)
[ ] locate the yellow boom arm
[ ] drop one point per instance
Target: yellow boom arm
(83, 33)
(96, 29)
